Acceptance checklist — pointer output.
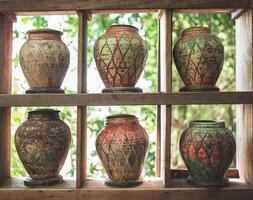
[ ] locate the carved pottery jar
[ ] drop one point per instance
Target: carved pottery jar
(42, 143)
(44, 59)
(199, 57)
(120, 56)
(207, 148)
(122, 146)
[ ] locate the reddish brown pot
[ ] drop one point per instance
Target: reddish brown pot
(120, 55)
(44, 59)
(42, 143)
(122, 146)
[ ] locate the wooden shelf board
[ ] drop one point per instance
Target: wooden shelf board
(127, 99)
(148, 183)
(179, 190)
(51, 5)
(18, 183)
(122, 11)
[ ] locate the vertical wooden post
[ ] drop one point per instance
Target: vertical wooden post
(158, 113)
(166, 86)
(81, 154)
(244, 82)
(5, 88)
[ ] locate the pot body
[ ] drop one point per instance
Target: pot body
(44, 59)
(42, 143)
(120, 56)
(199, 57)
(122, 146)
(207, 148)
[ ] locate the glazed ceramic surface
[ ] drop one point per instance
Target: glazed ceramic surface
(207, 148)
(199, 57)
(44, 59)
(42, 143)
(120, 55)
(122, 146)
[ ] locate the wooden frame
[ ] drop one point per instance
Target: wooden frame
(172, 184)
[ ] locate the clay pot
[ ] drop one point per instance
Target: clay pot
(207, 148)
(44, 59)
(42, 143)
(122, 146)
(199, 57)
(120, 56)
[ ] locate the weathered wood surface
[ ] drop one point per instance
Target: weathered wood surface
(42, 5)
(165, 46)
(127, 99)
(5, 88)
(244, 81)
(81, 147)
(181, 191)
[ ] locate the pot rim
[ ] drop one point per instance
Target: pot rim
(41, 111)
(120, 116)
(124, 26)
(52, 31)
(196, 28)
(207, 123)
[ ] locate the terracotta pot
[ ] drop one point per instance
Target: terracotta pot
(120, 55)
(199, 57)
(207, 148)
(122, 146)
(42, 143)
(44, 59)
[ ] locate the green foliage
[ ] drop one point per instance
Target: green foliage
(220, 25)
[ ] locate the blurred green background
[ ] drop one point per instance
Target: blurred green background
(220, 24)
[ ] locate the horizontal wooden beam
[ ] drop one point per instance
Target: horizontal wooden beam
(181, 190)
(126, 99)
(52, 5)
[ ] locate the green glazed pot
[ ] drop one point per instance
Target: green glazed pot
(207, 148)
(199, 57)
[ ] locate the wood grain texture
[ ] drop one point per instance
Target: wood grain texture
(43, 5)
(5, 88)
(166, 86)
(244, 81)
(126, 99)
(181, 191)
(82, 88)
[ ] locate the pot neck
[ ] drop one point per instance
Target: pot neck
(44, 114)
(124, 28)
(206, 124)
(196, 31)
(44, 34)
(121, 119)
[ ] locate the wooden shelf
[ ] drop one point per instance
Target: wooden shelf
(150, 190)
(58, 5)
(18, 183)
(126, 99)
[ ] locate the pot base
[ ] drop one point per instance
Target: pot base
(126, 183)
(121, 89)
(222, 183)
(29, 182)
(204, 89)
(44, 90)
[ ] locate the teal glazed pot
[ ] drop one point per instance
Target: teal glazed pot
(199, 57)
(208, 149)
